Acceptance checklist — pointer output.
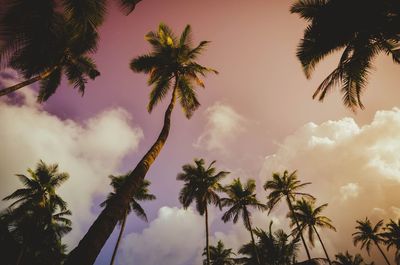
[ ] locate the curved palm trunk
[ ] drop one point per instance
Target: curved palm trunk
(95, 238)
(119, 239)
(323, 246)
(383, 254)
(252, 238)
(207, 241)
(298, 227)
(8, 90)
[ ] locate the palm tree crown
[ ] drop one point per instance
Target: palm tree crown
(391, 236)
(348, 259)
(219, 255)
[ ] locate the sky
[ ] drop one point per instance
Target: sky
(257, 117)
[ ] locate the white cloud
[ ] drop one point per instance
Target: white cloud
(89, 152)
(223, 126)
(350, 190)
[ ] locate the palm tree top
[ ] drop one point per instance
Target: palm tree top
(172, 59)
(367, 234)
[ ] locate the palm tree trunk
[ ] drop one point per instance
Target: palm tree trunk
(383, 254)
(207, 242)
(93, 241)
(298, 227)
(21, 254)
(252, 238)
(323, 246)
(118, 240)
(25, 83)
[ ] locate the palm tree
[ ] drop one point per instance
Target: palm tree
(219, 255)
(368, 235)
(361, 33)
(141, 194)
(201, 185)
(43, 43)
(240, 198)
(172, 59)
(37, 219)
(348, 259)
(287, 187)
(310, 217)
(391, 237)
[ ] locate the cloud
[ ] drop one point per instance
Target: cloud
(356, 169)
(175, 237)
(89, 152)
(223, 126)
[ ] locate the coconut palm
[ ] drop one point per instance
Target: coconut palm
(391, 236)
(240, 198)
(362, 34)
(219, 255)
(201, 185)
(368, 235)
(287, 187)
(310, 218)
(172, 60)
(141, 194)
(348, 259)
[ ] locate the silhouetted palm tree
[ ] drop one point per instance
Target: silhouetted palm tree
(141, 194)
(368, 235)
(201, 185)
(348, 259)
(361, 33)
(240, 198)
(391, 236)
(287, 187)
(172, 60)
(310, 218)
(219, 255)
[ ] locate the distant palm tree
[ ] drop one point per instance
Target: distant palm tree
(172, 60)
(287, 187)
(201, 185)
(361, 33)
(219, 255)
(368, 235)
(310, 218)
(391, 236)
(348, 259)
(240, 198)
(141, 194)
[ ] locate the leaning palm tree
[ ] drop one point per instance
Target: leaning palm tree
(310, 218)
(240, 198)
(219, 255)
(287, 187)
(362, 34)
(348, 259)
(201, 185)
(391, 236)
(368, 235)
(172, 60)
(141, 194)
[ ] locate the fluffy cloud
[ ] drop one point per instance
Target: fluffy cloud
(224, 124)
(175, 237)
(89, 152)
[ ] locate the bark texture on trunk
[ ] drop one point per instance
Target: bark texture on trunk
(207, 241)
(91, 244)
(118, 240)
(323, 246)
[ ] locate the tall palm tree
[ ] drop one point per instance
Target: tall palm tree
(141, 194)
(43, 42)
(287, 187)
(348, 259)
(172, 59)
(310, 218)
(368, 235)
(201, 185)
(391, 236)
(361, 33)
(219, 255)
(240, 198)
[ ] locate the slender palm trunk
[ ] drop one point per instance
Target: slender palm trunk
(93, 241)
(21, 254)
(298, 227)
(25, 83)
(119, 239)
(383, 254)
(252, 238)
(323, 246)
(207, 242)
